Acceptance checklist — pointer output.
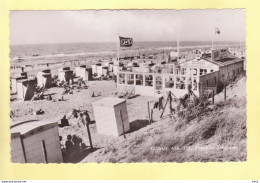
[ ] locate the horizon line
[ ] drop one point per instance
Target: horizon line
(113, 42)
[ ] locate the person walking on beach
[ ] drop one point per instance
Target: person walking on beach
(115, 79)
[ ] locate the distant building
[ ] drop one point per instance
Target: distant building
(201, 73)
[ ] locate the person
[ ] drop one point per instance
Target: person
(115, 79)
(171, 83)
(35, 96)
(150, 80)
(41, 97)
(69, 145)
(63, 150)
(84, 118)
(87, 117)
(76, 141)
(49, 97)
(64, 122)
(40, 111)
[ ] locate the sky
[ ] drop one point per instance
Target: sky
(47, 27)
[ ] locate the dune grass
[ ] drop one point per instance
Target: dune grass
(216, 136)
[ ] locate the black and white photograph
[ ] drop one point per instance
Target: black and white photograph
(128, 86)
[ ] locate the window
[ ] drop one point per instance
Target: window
(121, 79)
(191, 72)
(194, 72)
(158, 82)
(178, 71)
(139, 79)
(148, 80)
(183, 71)
(215, 80)
(203, 71)
(169, 82)
(211, 70)
(130, 79)
(180, 83)
(189, 83)
(183, 82)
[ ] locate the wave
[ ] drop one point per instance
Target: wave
(22, 53)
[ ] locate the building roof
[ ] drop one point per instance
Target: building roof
(31, 126)
(221, 62)
(224, 61)
(108, 102)
(26, 81)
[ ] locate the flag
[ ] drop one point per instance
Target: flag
(125, 42)
(217, 31)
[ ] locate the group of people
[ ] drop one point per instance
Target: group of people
(38, 94)
(74, 144)
(73, 147)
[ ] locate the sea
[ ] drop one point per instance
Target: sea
(98, 50)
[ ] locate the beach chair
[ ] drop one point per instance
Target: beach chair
(123, 93)
(118, 90)
(130, 92)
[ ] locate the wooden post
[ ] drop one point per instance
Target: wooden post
(122, 124)
(225, 92)
(165, 105)
(148, 105)
(44, 151)
(24, 154)
(213, 95)
(89, 137)
(151, 116)
(170, 97)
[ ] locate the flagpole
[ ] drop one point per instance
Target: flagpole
(212, 39)
(178, 43)
(117, 47)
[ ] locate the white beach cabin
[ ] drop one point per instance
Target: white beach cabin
(107, 112)
(44, 78)
(35, 142)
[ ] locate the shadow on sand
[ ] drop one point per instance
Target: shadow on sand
(138, 124)
(79, 156)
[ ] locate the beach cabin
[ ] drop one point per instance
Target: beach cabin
(115, 69)
(110, 67)
(26, 89)
(14, 83)
(102, 70)
(84, 72)
(106, 63)
(78, 68)
(116, 62)
(65, 74)
(14, 80)
(44, 78)
(24, 74)
(107, 112)
(35, 142)
(94, 67)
